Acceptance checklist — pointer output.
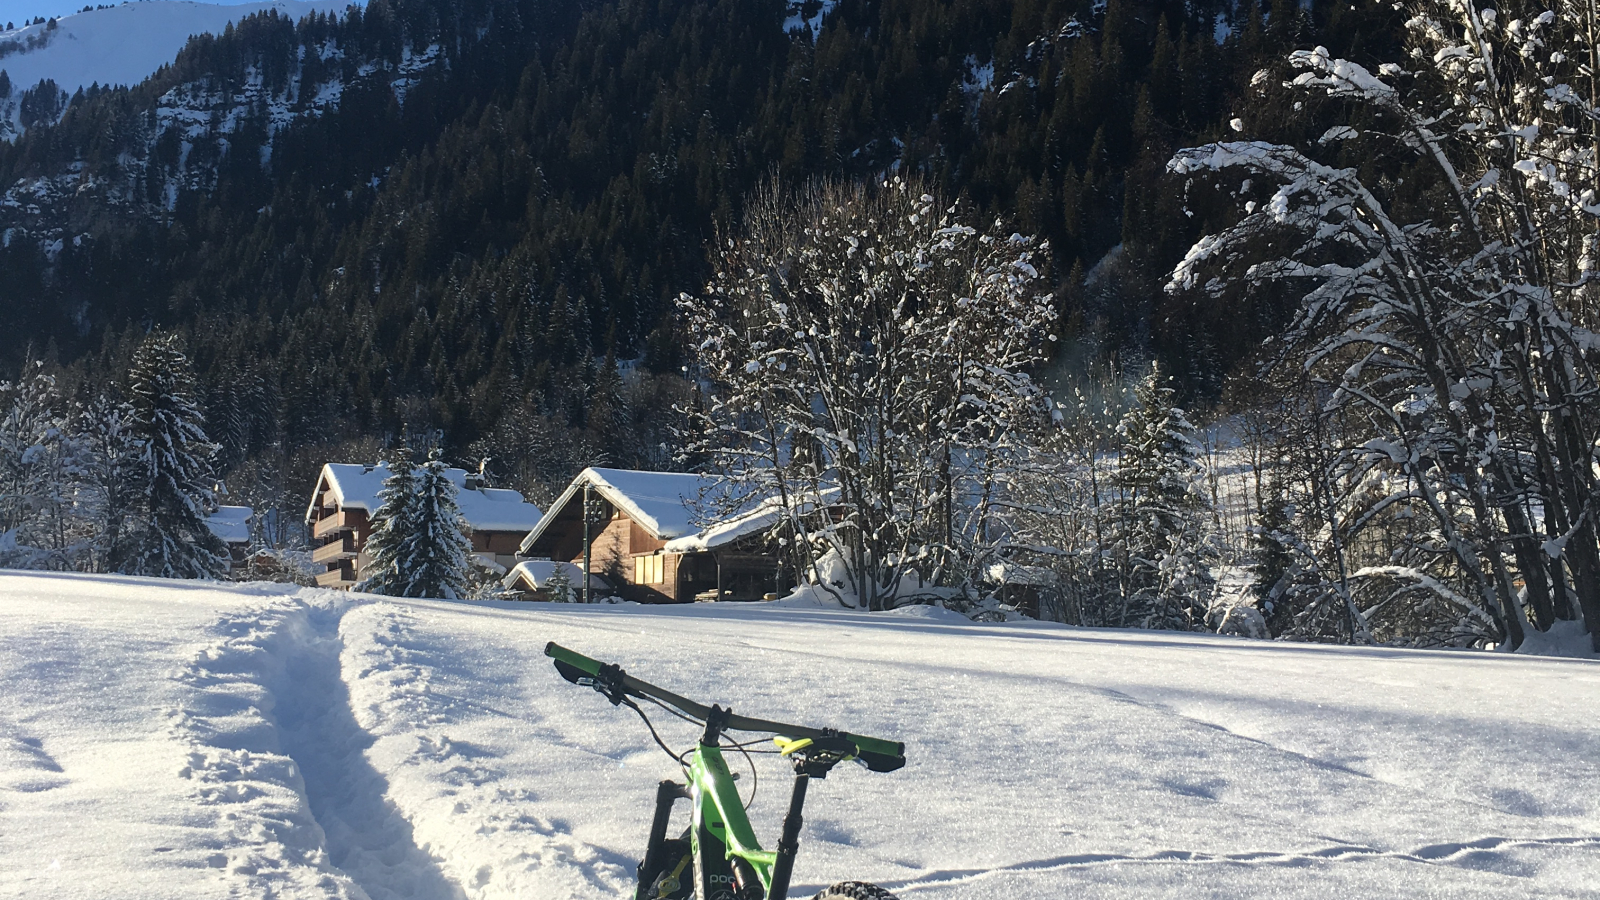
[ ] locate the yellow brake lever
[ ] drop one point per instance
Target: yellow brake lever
(787, 747)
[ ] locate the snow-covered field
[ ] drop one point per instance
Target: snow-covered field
(165, 739)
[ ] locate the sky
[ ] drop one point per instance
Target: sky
(19, 11)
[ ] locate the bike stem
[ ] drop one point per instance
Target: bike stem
(716, 723)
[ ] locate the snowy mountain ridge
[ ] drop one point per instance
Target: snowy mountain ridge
(120, 45)
(195, 125)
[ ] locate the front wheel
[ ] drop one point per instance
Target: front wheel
(854, 890)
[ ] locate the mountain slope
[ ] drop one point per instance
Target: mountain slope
(123, 45)
(267, 740)
(463, 217)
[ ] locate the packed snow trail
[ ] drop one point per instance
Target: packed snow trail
(366, 836)
(165, 739)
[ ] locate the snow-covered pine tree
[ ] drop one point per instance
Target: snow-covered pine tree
(171, 472)
(436, 556)
(1271, 559)
(107, 490)
(39, 461)
(392, 523)
(558, 587)
(1166, 545)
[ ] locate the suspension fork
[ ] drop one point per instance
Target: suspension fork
(668, 793)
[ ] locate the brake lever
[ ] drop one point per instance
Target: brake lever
(607, 684)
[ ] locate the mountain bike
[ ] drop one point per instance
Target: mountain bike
(718, 857)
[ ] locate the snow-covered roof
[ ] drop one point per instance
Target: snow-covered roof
(484, 509)
(663, 503)
(660, 502)
(495, 509)
(231, 524)
(762, 517)
(1007, 572)
(536, 571)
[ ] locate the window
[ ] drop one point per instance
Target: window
(647, 569)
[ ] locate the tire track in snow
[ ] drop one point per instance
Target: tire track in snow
(277, 759)
(1451, 853)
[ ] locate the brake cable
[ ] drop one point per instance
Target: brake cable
(755, 777)
(755, 774)
(628, 702)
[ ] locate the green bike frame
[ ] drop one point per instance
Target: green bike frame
(729, 862)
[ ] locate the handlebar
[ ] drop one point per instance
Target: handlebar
(879, 755)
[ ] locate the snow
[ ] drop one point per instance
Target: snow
(1221, 29)
(195, 740)
(661, 502)
(537, 570)
(484, 509)
(231, 524)
(761, 517)
(1563, 639)
(796, 20)
(494, 509)
(127, 44)
(978, 78)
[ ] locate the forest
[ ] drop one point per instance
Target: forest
(1355, 238)
(468, 260)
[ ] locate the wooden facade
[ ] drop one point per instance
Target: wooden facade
(646, 565)
(339, 540)
(340, 520)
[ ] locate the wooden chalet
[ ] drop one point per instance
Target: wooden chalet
(644, 540)
(346, 496)
(231, 524)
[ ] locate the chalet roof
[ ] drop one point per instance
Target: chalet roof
(231, 524)
(537, 571)
(356, 486)
(663, 503)
(660, 502)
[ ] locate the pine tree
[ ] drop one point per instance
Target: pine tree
(1271, 559)
(39, 458)
(558, 587)
(393, 522)
(106, 480)
(1164, 540)
(26, 417)
(171, 470)
(436, 555)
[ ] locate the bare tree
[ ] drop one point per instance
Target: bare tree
(1446, 324)
(867, 354)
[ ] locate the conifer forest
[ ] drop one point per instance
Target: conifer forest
(1277, 320)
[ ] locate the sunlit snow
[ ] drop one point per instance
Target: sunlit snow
(126, 44)
(188, 740)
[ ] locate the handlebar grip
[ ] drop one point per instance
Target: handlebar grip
(878, 754)
(570, 664)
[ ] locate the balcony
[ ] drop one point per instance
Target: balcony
(344, 520)
(342, 576)
(342, 547)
